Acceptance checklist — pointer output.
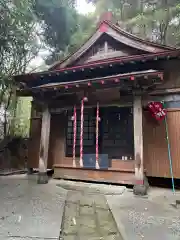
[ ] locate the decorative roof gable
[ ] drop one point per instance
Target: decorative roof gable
(136, 45)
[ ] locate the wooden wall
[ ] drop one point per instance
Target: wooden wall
(57, 143)
(171, 75)
(155, 145)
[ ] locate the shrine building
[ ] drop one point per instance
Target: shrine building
(91, 117)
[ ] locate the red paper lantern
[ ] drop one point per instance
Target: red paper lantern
(157, 110)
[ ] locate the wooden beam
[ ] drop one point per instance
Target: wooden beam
(165, 91)
(112, 104)
(44, 146)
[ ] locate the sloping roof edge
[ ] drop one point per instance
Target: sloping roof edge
(122, 60)
(148, 42)
(114, 76)
(95, 36)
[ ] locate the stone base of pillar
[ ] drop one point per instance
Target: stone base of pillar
(141, 187)
(42, 178)
(30, 171)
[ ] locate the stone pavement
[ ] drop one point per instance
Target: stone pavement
(28, 210)
(152, 217)
(106, 189)
(87, 216)
(92, 211)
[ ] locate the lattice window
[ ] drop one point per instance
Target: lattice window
(116, 136)
(117, 128)
(88, 135)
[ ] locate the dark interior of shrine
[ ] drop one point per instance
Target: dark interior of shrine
(116, 138)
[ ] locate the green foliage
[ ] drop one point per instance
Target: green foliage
(21, 120)
(85, 27)
(156, 20)
(58, 20)
(18, 40)
(18, 46)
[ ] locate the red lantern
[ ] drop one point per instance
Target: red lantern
(157, 110)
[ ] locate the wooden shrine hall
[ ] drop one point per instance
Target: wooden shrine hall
(89, 117)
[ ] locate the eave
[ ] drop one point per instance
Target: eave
(116, 78)
(175, 54)
(129, 81)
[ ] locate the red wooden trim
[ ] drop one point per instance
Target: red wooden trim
(122, 59)
(174, 53)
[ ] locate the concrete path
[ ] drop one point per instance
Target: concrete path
(29, 210)
(146, 218)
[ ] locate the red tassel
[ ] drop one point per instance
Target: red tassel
(74, 139)
(97, 137)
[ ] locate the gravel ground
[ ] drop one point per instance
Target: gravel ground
(32, 211)
(145, 218)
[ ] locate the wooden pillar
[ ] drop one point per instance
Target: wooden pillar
(44, 146)
(140, 188)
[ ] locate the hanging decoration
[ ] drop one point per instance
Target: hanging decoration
(81, 133)
(74, 137)
(157, 110)
(97, 136)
